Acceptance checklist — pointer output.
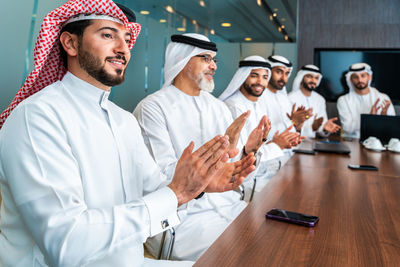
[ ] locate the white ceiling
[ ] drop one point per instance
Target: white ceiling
(247, 17)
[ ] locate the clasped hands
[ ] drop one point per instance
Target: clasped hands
(299, 116)
(256, 138)
(384, 106)
(302, 114)
(207, 170)
(330, 126)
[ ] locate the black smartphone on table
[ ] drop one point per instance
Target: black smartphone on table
(292, 217)
(363, 167)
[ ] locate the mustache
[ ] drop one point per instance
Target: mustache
(118, 57)
(257, 84)
(210, 72)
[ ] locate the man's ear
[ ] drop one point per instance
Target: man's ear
(70, 43)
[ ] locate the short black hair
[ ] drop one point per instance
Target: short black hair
(78, 28)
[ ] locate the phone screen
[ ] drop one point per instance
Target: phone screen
(293, 217)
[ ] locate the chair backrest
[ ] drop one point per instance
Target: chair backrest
(331, 110)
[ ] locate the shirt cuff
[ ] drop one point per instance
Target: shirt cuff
(272, 151)
(162, 206)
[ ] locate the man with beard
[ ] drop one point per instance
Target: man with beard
(277, 104)
(182, 110)
(303, 94)
(361, 99)
(242, 94)
(79, 186)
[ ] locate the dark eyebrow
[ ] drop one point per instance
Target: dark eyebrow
(113, 29)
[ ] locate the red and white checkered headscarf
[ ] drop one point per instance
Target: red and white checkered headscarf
(49, 66)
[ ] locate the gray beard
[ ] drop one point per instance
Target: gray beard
(205, 85)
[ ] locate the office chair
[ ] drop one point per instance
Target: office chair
(253, 189)
(167, 244)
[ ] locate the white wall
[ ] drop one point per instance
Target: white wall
(15, 21)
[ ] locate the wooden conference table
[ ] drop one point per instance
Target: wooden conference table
(359, 215)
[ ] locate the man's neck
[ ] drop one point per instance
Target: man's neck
(187, 86)
(305, 91)
(273, 90)
(83, 75)
(250, 97)
(362, 92)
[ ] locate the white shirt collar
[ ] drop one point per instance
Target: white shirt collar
(84, 89)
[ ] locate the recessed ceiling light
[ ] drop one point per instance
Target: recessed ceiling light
(286, 37)
(248, 39)
(274, 15)
(279, 29)
(201, 2)
(212, 31)
(259, 2)
(163, 20)
(283, 26)
(225, 24)
(194, 22)
(270, 17)
(169, 9)
(144, 12)
(181, 29)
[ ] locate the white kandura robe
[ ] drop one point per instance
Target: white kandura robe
(351, 105)
(276, 106)
(315, 101)
(170, 119)
(79, 186)
(237, 104)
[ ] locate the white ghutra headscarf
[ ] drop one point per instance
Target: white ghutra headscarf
(275, 61)
(245, 67)
(357, 68)
(306, 69)
(180, 50)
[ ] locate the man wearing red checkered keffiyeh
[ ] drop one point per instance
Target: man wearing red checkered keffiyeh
(79, 186)
(48, 63)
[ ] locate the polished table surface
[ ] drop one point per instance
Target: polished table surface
(359, 215)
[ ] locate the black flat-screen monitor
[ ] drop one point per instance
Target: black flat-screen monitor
(334, 63)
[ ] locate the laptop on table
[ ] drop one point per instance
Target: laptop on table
(338, 148)
(380, 126)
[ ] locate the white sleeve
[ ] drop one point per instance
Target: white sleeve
(322, 112)
(390, 111)
(233, 109)
(45, 181)
(271, 151)
(307, 130)
(345, 116)
(156, 136)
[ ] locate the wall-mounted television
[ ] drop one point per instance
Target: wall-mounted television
(334, 63)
